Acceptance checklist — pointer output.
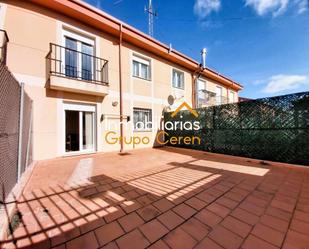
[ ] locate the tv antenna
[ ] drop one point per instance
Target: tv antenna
(151, 14)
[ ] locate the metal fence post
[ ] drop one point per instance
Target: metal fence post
(20, 133)
(29, 136)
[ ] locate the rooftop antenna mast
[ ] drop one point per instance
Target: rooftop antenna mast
(151, 14)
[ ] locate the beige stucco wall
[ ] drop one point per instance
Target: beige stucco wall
(31, 29)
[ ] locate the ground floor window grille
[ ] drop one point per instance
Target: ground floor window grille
(142, 119)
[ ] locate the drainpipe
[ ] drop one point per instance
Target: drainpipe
(120, 88)
(193, 90)
(195, 77)
(194, 85)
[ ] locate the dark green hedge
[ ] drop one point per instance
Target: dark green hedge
(275, 129)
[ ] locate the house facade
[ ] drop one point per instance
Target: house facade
(94, 79)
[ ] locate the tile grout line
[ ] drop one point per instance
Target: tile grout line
(283, 180)
(179, 226)
(293, 212)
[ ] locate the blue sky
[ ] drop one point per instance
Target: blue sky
(262, 44)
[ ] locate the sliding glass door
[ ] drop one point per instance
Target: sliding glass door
(71, 58)
(78, 56)
(88, 130)
(71, 131)
(87, 62)
(79, 128)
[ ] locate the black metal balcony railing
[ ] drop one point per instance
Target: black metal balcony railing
(74, 64)
(4, 39)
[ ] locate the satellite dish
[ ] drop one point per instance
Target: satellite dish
(170, 99)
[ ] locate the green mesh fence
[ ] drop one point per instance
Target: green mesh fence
(275, 129)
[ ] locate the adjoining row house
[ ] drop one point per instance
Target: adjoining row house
(87, 71)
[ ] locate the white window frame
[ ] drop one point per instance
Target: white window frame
(80, 38)
(219, 97)
(148, 110)
(183, 83)
(141, 60)
(232, 94)
(198, 90)
(3, 8)
(80, 107)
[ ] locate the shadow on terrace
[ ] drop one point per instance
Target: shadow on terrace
(87, 207)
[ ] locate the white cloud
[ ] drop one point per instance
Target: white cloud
(276, 7)
(302, 6)
(203, 8)
(282, 82)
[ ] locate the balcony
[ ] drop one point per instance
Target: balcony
(4, 39)
(75, 71)
(207, 98)
(220, 100)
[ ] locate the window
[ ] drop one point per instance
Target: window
(178, 79)
(141, 68)
(201, 91)
(79, 127)
(232, 97)
(218, 95)
(79, 60)
(142, 119)
(71, 57)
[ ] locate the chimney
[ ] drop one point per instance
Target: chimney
(170, 48)
(203, 54)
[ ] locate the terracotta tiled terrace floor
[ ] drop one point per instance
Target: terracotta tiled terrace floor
(163, 198)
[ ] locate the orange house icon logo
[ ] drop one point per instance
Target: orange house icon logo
(189, 108)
